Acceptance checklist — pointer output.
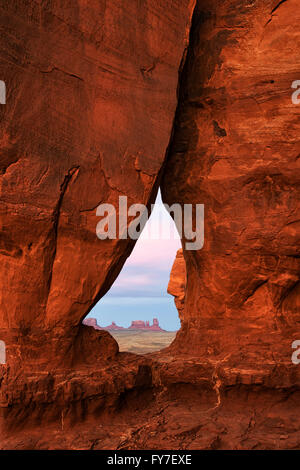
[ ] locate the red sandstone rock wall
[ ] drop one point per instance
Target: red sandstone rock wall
(177, 283)
(91, 95)
(236, 149)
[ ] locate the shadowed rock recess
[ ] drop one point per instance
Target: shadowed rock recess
(92, 91)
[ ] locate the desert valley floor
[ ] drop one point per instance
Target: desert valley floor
(143, 342)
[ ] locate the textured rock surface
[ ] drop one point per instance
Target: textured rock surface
(91, 96)
(76, 82)
(157, 402)
(236, 150)
(177, 283)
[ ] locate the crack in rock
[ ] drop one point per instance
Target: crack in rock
(274, 10)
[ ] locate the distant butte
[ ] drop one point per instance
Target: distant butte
(135, 325)
(141, 325)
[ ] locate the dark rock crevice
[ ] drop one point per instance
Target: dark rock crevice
(56, 218)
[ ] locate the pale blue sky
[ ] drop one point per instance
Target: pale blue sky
(140, 291)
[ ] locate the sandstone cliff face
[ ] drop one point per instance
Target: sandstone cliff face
(236, 149)
(90, 106)
(177, 283)
(91, 99)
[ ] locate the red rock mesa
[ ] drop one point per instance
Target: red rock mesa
(141, 325)
(135, 325)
